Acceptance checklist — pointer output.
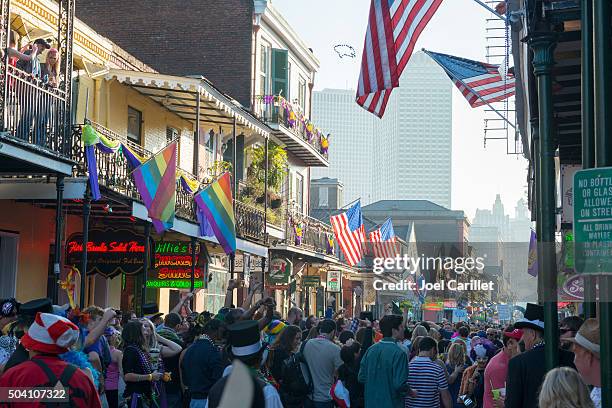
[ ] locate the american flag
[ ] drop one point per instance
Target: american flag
(350, 233)
(480, 83)
(384, 244)
(393, 29)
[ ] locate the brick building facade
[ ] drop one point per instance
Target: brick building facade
(183, 37)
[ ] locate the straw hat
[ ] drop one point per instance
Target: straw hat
(588, 336)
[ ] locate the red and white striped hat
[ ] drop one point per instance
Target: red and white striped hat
(50, 334)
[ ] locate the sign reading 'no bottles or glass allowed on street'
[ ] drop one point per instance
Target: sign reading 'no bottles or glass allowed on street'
(593, 220)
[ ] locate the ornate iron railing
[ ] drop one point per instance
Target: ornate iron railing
(250, 222)
(309, 233)
(277, 110)
(114, 173)
(34, 112)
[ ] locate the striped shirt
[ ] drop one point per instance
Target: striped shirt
(427, 379)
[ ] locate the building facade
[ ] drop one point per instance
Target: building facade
(406, 155)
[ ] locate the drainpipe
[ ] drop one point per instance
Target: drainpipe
(259, 8)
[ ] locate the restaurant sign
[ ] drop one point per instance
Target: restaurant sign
(109, 252)
(280, 271)
(172, 265)
(334, 279)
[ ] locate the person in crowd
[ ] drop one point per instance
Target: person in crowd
(419, 331)
(311, 322)
(322, 356)
(286, 344)
(25, 317)
(202, 363)
(48, 336)
(427, 379)
(345, 336)
(142, 382)
(169, 330)
(563, 388)
(50, 70)
(294, 316)
(526, 371)
(245, 345)
(127, 316)
(472, 382)
(463, 334)
(114, 370)
(8, 319)
(434, 334)
(455, 367)
(95, 344)
(384, 367)
(272, 330)
(32, 65)
(587, 357)
(497, 370)
(568, 327)
(352, 354)
(493, 337)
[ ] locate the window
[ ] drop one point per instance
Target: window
(302, 93)
(323, 197)
(280, 72)
(264, 70)
(171, 134)
(134, 131)
(299, 192)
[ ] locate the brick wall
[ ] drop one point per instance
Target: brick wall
(182, 37)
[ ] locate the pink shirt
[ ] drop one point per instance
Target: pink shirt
(495, 374)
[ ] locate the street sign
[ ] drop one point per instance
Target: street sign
(312, 281)
(593, 220)
(280, 271)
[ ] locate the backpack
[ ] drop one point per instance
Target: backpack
(294, 386)
(65, 377)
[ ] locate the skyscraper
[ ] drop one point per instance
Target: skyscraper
(405, 155)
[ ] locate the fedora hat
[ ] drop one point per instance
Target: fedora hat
(588, 336)
(532, 319)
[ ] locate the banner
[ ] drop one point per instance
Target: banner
(280, 271)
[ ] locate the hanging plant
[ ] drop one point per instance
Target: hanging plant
(277, 167)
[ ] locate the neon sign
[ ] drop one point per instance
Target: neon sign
(173, 262)
(177, 284)
(109, 252)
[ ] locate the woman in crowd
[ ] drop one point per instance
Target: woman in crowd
(563, 388)
(472, 382)
(141, 380)
(351, 355)
(51, 68)
(113, 372)
(455, 366)
(285, 345)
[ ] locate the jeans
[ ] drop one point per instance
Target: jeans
(314, 404)
(174, 400)
(198, 403)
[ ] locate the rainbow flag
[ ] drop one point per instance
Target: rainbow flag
(216, 204)
(156, 183)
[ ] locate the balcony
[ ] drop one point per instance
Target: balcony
(33, 125)
(297, 133)
(114, 174)
(309, 234)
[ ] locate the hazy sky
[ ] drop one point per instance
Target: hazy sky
(458, 28)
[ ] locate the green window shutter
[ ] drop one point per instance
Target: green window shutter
(280, 72)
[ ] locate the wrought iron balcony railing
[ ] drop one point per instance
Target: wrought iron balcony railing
(274, 109)
(309, 233)
(114, 173)
(34, 112)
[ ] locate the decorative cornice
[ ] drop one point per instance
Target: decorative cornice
(543, 46)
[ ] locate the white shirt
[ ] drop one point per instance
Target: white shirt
(270, 394)
(596, 396)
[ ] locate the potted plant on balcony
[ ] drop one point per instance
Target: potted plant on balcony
(277, 171)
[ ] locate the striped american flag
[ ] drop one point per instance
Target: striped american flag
(350, 233)
(393, 29)
(480, 83)
(384, 243)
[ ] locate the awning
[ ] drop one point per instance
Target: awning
(179, 95)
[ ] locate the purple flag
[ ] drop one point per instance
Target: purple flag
(532, 262)
(205, 228)
(92, 167)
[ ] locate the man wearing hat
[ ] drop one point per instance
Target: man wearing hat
(497, 370)
(8, 342)
(27, 313)
(587, 357)
(246, 346)
(48, 336)
(526, 371)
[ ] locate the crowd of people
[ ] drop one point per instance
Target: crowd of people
(186, 359)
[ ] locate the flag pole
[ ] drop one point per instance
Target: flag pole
(490, 9)
(470, 89)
